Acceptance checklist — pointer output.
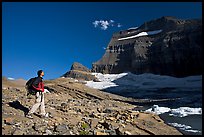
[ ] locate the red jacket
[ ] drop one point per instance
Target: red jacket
(38, 84)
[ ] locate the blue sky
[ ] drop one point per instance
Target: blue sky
(53, 35)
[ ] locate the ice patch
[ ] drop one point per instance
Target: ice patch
(184, 127)
(185, 111)
(179, 112)
(158, 110)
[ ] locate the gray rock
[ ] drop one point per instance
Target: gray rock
(19, 132)
(111, 132)
(61, 128)
(109, 110)
(48, 132)
(40, 126)
(119, 131)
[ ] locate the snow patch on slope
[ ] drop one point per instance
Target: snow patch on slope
(133, 28)
(145, 81)
(9, 78)
(106, 80)
(158, 110)
(142, 34)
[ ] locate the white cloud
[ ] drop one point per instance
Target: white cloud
(112, 21)
(119, 25)
(104, 24)
(95, 23)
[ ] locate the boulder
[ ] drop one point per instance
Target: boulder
(61, 128)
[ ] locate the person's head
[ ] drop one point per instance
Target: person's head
(40, 73)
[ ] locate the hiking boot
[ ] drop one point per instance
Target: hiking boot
(29, 116)
(44, 116)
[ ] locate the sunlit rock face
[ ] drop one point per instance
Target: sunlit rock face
(80, 72)
(167, 46)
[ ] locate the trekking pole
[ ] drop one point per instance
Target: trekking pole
(41, 96)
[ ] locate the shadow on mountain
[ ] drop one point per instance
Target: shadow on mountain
(135, 91)
(17, 105)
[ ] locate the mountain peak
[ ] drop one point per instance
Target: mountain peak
(169, 17)
(80, 67)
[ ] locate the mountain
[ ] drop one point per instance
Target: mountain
(166, 46)
(80, 72)
(6, 82)
(80, 67)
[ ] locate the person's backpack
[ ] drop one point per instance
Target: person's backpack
(29, 88)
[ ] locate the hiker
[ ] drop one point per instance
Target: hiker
(38, 86)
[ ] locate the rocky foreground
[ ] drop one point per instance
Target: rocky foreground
(75, 109)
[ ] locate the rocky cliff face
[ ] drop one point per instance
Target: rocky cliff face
(166, 46)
